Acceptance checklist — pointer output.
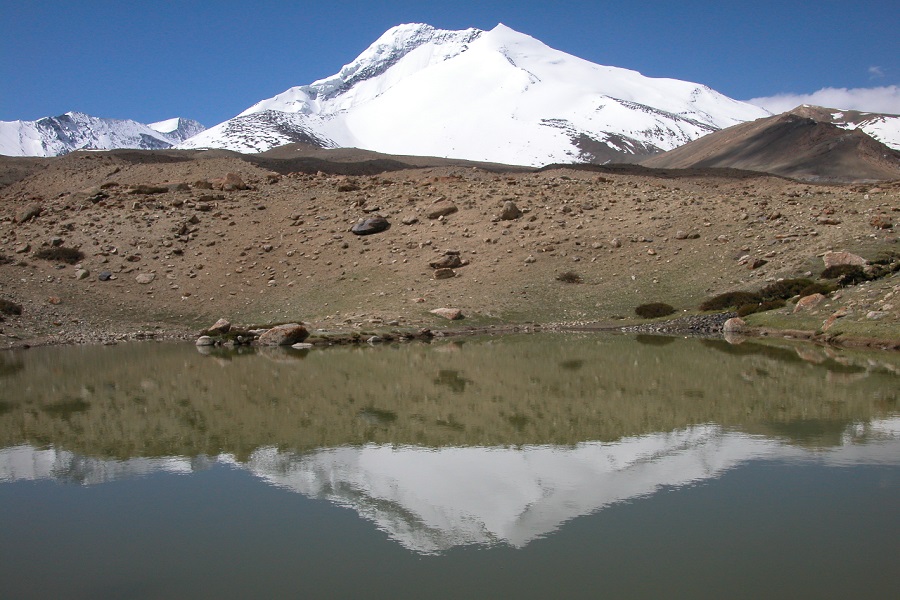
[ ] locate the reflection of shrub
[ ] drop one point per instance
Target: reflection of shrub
(569, 277)
(730, 300)
(845, 274)
(60, 254)
(653, 310)
(749, 309)
(782, 290)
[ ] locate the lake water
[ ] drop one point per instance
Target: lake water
(531, 466)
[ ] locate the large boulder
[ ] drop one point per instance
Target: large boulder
(809, 302)
(284, 335)
(833, 259)
(451, 314)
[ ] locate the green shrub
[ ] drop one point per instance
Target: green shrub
(61, 254)
(7, 307)
(749, 309)
(782, 290)
(653, 310)
(845, 274)
(817, 288)
(569, 277)
(730, 300)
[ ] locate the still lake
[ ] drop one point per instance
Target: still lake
(523, 466)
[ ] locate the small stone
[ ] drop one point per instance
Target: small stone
(444, 274)
(874, 315)
(681, 235)
(301, 346)
(145, 278)
(759, 262)
(82, 274)
(104, 276)
(410, 220)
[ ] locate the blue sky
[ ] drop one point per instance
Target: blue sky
(209, 60)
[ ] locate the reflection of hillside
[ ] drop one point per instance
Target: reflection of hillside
(163, 400)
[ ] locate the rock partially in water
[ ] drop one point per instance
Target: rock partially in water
(205, 340)
(284, 335)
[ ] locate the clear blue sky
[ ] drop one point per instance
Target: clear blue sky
(209, 60)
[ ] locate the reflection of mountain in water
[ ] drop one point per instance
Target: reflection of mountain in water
(430, 500)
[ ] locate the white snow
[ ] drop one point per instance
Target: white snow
(498, 96)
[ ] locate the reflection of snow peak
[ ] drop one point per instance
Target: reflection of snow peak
(430, 500)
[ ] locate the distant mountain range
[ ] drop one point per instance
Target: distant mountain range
(498, 96)
(54, 136)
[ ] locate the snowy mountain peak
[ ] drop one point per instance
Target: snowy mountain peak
(53, 136)
(498, 95)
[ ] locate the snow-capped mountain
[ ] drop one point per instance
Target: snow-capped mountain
(53, 136)
(178, 129)
(882, 127)
(496, 95)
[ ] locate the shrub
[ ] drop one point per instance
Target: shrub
(845, 274)
(569, 277)
(730, 300)
(782, 290)
(653, 310)
(61, 254)
(749, 309)
(817, 288)
(7, 307)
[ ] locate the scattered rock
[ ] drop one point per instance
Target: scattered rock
(833, 318)
(451, 314)
(444, 274)
(809, 302)
(370, 225)
(410, 220)
(757, 263)
(284, 335)
(301, 346)
(510, 211)
(449, 261)
(145, 278)
(82, 274)
(219, 327)
(104, 276)
(441, 209)
(832, 259)
(31, 211)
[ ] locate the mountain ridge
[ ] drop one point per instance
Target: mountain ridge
(497, 96)
(54, 136)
